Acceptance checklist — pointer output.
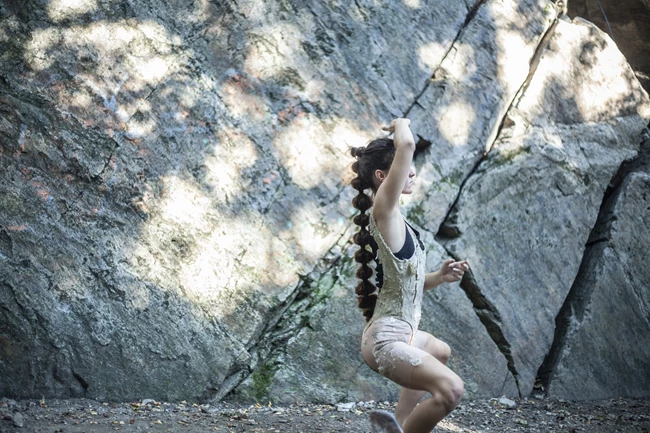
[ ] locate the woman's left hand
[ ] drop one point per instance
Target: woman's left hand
(452, 271)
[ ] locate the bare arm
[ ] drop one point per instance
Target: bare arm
(386, 210)
(450, 272)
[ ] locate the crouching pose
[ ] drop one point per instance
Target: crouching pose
(392, 345)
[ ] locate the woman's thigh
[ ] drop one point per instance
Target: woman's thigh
(415, 369)
(397, 361)
(387, 347)
(380, 340)
(433, 346)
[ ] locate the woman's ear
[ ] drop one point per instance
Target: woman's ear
(380, 176)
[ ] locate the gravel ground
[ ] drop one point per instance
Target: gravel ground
(478, 416)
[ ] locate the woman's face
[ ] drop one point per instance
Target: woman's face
(380, 176)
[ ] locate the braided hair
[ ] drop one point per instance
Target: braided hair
(377, 155)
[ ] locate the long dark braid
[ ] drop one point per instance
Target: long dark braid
(378, 155)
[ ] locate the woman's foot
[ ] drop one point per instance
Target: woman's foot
(383, 422)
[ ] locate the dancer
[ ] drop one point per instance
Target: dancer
(391, 344)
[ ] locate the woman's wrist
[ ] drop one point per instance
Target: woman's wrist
(403, 137)
(432, 280)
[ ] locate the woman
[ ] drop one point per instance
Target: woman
(392, 345)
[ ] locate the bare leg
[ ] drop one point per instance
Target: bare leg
(409, 398)
(413, 368)
(446, 390)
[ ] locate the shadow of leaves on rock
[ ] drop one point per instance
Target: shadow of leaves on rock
(108, 113)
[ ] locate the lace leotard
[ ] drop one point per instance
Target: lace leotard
(403, 281)
(386, 342)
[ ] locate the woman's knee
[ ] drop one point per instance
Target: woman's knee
(450, 393)
(457, 390)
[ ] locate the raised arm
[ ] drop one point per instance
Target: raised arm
(386, 210)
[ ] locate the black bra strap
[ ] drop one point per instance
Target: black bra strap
(417, 235)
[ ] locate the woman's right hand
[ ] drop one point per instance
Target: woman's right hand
(402, 135)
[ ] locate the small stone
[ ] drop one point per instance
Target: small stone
(147, 401)
(18, 419)
(506, 402)
(345, 407)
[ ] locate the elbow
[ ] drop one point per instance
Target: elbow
(408, 145)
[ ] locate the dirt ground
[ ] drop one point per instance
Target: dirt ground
(478, 416)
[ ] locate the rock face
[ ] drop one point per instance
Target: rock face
(306, 368)
(174, 209)
(629, 24)
(524, 216)
(609, 304)
(163, 188)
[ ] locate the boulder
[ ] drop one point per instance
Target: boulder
(462, 108)
(174, 205)
(524, 216)
(609, 311)
(628, 22)
(161, 194)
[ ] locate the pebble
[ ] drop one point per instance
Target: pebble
(345, 407)
(228, 412)
(18, 419)
(492, 415)
(506, 402)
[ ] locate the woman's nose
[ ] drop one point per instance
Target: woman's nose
(412, 172)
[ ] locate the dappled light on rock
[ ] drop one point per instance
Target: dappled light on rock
(456, 123)
(59, 10)
(175, 209)
(597, 86)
